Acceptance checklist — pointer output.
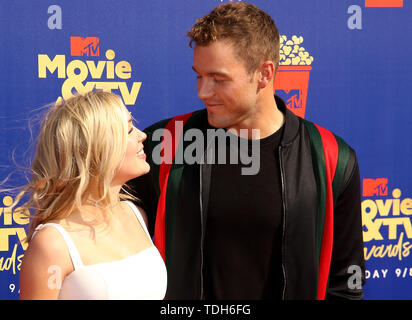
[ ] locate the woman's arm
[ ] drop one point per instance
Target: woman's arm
(46, 263)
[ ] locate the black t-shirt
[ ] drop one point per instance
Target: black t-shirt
(244, 227)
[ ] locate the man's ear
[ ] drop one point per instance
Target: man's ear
(266, 74)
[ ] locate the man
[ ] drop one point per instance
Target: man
(291, 230)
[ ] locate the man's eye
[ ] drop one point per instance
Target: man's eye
(130, 130)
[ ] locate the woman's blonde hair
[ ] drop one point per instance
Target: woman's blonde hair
(81, 143)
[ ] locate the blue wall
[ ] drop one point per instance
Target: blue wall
(359, 87)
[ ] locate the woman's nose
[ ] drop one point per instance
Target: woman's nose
(141, 136)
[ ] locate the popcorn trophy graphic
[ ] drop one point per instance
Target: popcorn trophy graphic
(292, 76)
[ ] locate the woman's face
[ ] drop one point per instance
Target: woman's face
(134, 162)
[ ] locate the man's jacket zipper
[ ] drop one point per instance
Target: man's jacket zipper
(282, 176)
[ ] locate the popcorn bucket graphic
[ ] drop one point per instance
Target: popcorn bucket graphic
(291, 84)
(292, 76)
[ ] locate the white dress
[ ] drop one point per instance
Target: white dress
(141, 276)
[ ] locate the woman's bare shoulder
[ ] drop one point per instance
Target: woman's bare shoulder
(46, 255)
(48, 246)
(142, 212)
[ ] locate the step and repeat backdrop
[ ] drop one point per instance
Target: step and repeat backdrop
(345, 65)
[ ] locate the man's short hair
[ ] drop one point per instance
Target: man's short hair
(251, 30)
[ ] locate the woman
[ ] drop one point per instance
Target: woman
(84, 243)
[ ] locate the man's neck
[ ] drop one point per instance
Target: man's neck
(267, 120)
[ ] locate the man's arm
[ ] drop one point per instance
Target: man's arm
(347, 272)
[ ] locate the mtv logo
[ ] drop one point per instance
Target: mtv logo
(87, 46)
(375, 187)
(293, 98)
(291, 84)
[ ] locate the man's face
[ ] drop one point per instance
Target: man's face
(224, 86)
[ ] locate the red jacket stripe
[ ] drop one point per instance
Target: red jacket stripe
(159, 232)
(330, 147)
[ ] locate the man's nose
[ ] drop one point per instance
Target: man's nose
(205, 88)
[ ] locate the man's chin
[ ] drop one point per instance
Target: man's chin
(215, 121)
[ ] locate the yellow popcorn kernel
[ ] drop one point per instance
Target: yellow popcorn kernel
(304, 55)
(295, 61)
(287, 50)
(295, 49)
(295, 39)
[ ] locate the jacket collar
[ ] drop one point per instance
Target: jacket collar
(292, 123)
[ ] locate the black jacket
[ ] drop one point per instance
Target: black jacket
(187, 205)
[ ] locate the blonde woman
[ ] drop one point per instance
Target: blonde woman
(84, 242)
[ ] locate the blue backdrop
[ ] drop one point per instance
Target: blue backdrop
(357, 84)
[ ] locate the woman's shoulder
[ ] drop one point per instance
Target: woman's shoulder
(140, 209)
(46, 232)
(48, 247)
(45, 264)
